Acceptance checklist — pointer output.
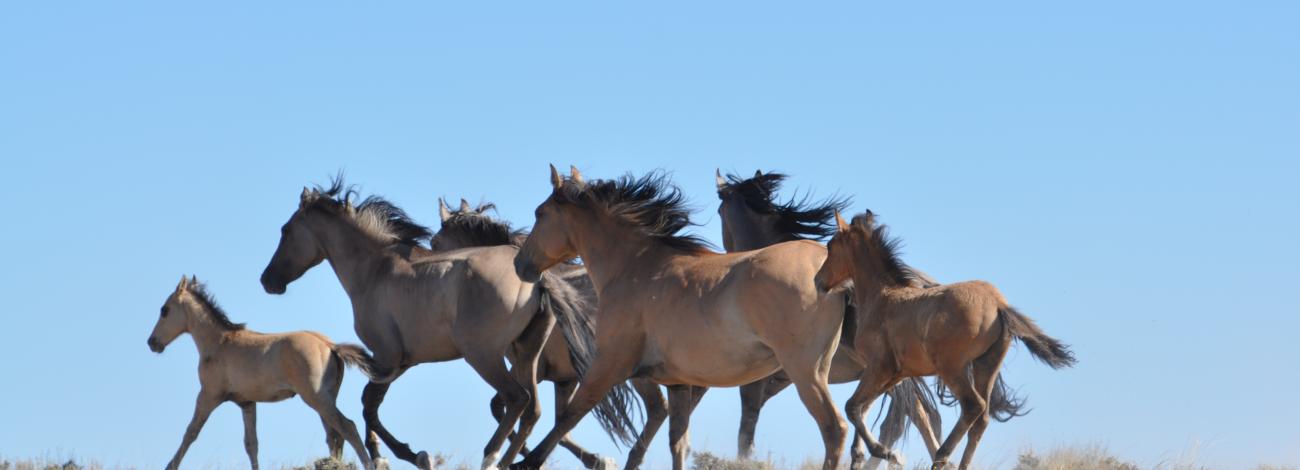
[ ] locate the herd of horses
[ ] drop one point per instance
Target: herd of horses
(608, 299)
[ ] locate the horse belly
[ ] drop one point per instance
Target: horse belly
(712, 363)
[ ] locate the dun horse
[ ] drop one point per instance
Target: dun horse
(752, 218)
(247, 367)
(677, 313)
(959, 332)
(412, 306)
(472, 227)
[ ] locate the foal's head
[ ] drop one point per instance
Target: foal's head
(866, 250)
(301, 246)
(189, 305)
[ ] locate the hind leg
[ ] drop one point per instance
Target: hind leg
(333, 418)
(972, 407)
(334, 440)
(531, 342)
(985, 373)
(681, 403)
(656, 411)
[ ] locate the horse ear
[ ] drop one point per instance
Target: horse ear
(758, 173)
(443, 212)
(185, 282)
(717, 175)
(306, 195)
(464, 205)
(556, 180)
(840, 226)
(194, 280)
(575, 175)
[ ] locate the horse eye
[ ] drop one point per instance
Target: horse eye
(164, 311)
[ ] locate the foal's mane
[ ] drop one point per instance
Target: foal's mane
(885, 248)
(210, 306)
(476, 228)
(374, 214)
(651, 203)
(800, 217)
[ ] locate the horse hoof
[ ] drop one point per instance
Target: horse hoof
(605, 463)
(423, 462)
(940, 465)
(380, 463)
(896, 460)
(489, 461)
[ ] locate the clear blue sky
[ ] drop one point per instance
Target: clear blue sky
(1126, 172)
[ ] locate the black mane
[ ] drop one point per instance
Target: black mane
(209, 304)
(475, 228)
(885, 248)
(651, 203)
(407, 231)
(800, 217)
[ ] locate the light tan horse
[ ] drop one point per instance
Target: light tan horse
(679, 314)
(411, 306)
(247, 367)
(959, 332)
(753, 218)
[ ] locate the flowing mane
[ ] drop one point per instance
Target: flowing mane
(210, 306)
(475, 228)
(800, 217)
(885, 248)
(374, 214)
(650, 203)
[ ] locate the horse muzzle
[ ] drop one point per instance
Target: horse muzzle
(526, 270)
(155, 345)
(272, 283)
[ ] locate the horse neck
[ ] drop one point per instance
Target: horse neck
(870, 284)
(608, 248)
(749, 235)
(350, 251)
(206, 332)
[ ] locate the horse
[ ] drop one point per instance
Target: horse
(411, 306)
(677, 313)
(246, 367)
(960, 332)
(470, 226)
(752, 218)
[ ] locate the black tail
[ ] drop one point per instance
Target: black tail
(614, 412)
(1004, 404)
(1045, 348)
(901, 412)
(354, 355)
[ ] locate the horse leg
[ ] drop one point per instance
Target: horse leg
(985, 373)
(249, 410)
(656, 410)
(972, 407)
(525, 374)
(610, 366)
(329, 413)
(333, 440)
(371, 397)
(752, 397)
(681, 403)
(563, 393)
(203, 407)
(874, 382)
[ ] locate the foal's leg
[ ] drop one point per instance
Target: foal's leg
(873, 383)
(203, 407)
(249, 410)
(656, 410)
(985, 373)
(334, 441)
(972, 407)
(330, 414)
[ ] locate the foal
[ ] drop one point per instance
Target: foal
(247, 367)
(960, 332)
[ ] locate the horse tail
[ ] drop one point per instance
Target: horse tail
(572, 317)
(901, 412)
(354, 355)
(1047, 349)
